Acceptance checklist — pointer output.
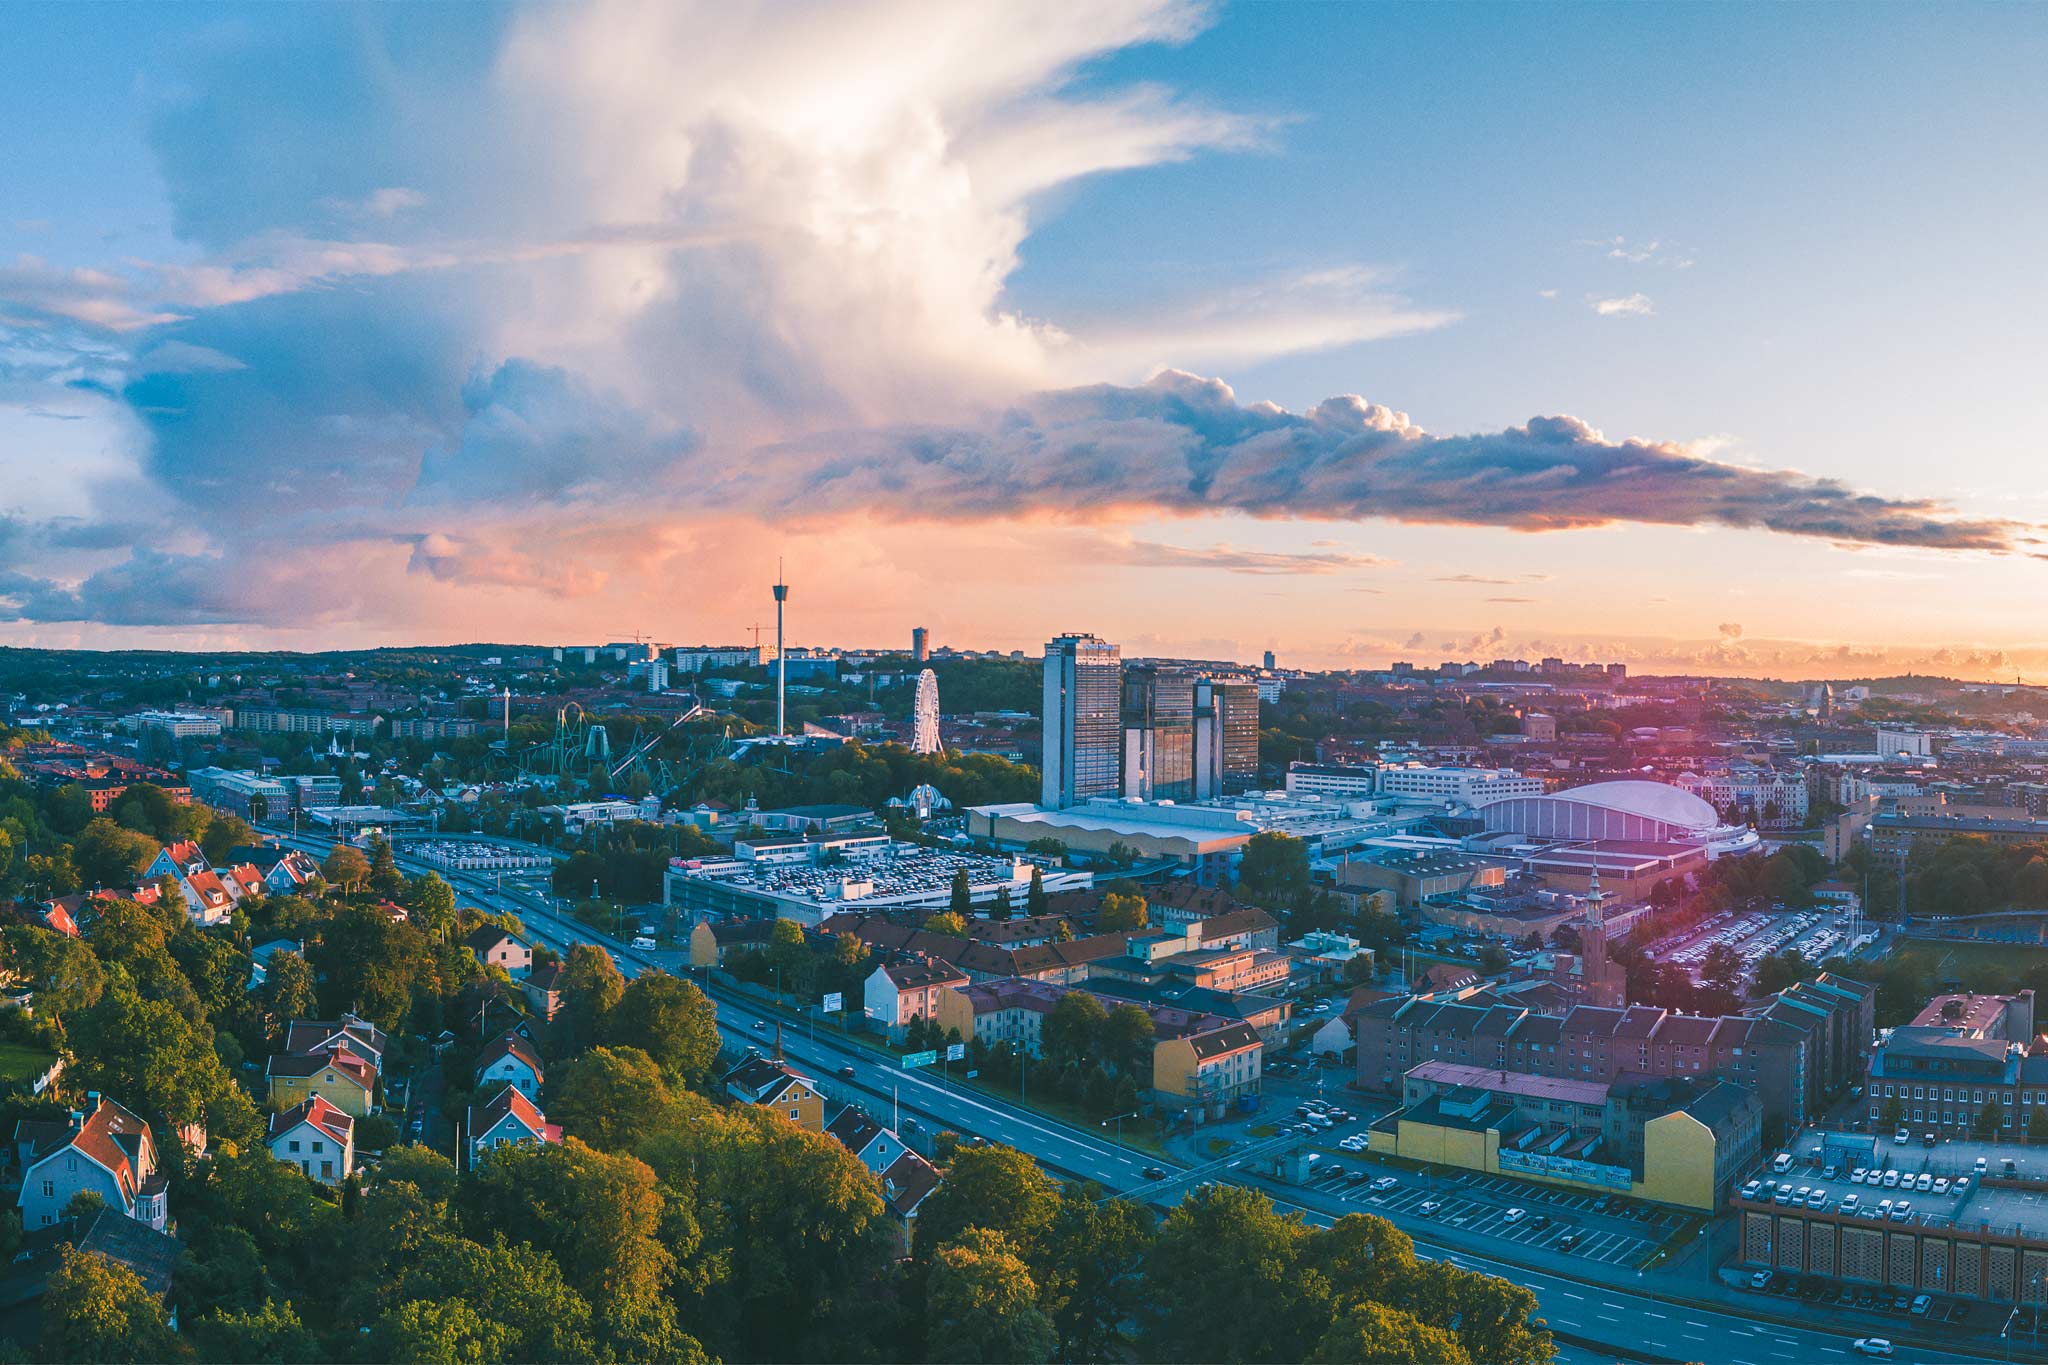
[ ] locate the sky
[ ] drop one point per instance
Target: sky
(1703, 338)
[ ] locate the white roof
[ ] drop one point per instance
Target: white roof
(1653, 800)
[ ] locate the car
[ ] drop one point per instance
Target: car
(1514, 1215)
(1320, 1106)
(1902, 1137)
(1849, 1202)
(1856, 1176)
(1568, 1241)
(1981, 1165)
(1961, 1183)
(1783, 1196)
(1830, 1173)
(1384, 1183)
(760, 1027)
(1921, 1305)
(1891, 1179)
(1782, 1162)
(1816, 1199)
(1154, 1173)
(644, 944)
(1927, 1139)
(1901, 1211)
(1430, 1208)
(1541, 1220)
(1357, 1177)
(1759, 1279)
(1924, 1182)
(846, 1073)
(1940, 1185)
(1872, 1346)
(1340, 1115)
(1750, 1188)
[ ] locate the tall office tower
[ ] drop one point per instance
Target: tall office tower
(1159, 734)
(781, 657)
(920, 644)
(1269, 661)
(1083, 724)
(924, 715)
(1226, 737)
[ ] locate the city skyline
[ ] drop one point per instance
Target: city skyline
(547, 324)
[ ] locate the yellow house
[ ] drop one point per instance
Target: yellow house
(774, 1085)
(711, 940)
(337, 1075)
(1209, 1070)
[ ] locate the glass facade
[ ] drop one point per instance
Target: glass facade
(1159, 734)
(1083, 720)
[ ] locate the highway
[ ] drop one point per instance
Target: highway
(1634, 1325)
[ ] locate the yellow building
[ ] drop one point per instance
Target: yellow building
(343, 1079)
(1209, 1071)
(1673, 1142)
(774, 1085)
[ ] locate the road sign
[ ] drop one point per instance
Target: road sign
(955, 1051)
(915, 1059)
(833, 1000)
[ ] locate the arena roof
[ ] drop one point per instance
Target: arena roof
(1652, 800)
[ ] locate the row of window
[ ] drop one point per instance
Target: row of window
(1951, 1117)
(1963, 1094)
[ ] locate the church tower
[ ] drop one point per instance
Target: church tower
(1602, 981)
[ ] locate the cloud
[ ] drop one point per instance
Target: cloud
(1630, 305)
(1491, 582)
(1730, 630)
(1231, 559)
(1515, 600)
(1184, 445)
(33, 289)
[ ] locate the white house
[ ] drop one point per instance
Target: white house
(902, 991)
(106, 1150)
(496, 948)
(509, 1120)
(511, 1061)
(317, 1138)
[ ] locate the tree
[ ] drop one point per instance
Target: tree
(1776, 971)
(994, 1187)
(1274, 867)
(272, 1333)
(671, 1021)
(1373, 1331)
(1122, 912)
(385, 878)
(1893, 1115)
(1002, 909)
(1989, 1119)
(961, 902)
(223, 832)
(982, 1304)
(1721, 971)
(1125, 1040)
(108, 855)
(608, 1249)
(592, 985)
(1034, 899)
(947, 922)
(430, 902)
(1222, 1271)
(161, 1062)
(445, 1332)
(612, 1098)
(96, 1310)
(288, 988)
(346, 867)
(1088, 1275)
(1072, 1029)
(1493, 960)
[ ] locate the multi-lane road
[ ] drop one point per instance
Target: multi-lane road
(1631, 1325)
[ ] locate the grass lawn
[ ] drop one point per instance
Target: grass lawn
(21, 1064)
(1950, 959)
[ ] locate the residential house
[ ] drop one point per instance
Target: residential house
(148, 1252)
(906, 1178)
(105, 1150)
(284, 870)
(357, 1034)
(510, 1060)
(711, 941)
(207, 900)
(899, 992)
(508, 1119)
(775, 1085)
(496, 948)
(180, 860)
(543, 990)
(242, 881)
(262, 953)
(1202, 1074)
(317, 1138)
(343, 1078)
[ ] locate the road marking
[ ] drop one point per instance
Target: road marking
(1569, 1295)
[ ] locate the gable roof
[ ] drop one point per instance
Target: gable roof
(509, 1045)
(110, 1135)
(359, 1035)
(906, 1183)
(335, 1058)
(761, 1080)
(510, 1102)
(481, 941)
(317, 1112)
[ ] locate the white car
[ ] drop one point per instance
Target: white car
(1514, 1215)
(1430, 1207)
(1384, 1183)
(1872, 1346)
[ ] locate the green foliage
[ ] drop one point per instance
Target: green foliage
(612, 1098)
(950, 922)
(346, 867)
(108, 855)
(95, 1310)
(994, 1187)
(982, 1304)
(1274, 868)
(671, 1021)
(591, 986)
(430, 904)
(1122, 912)
(267, 1335)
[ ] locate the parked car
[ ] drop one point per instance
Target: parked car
(1921, 1304)
(1514, 1215)
(1385, 1182)
(1430, 1208)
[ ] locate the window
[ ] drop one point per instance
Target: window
(49, 1191)
(318, 1148)
(327, 1169)
(292, 1146)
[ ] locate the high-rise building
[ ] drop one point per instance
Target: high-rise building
(781, 659)
(920, 644)
(1226, 737)
(1269, 661)
(1083, 721)
(924, 715)
(1159, 734)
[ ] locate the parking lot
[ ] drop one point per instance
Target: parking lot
(1607, 1230)
(1814, 934)
(1900, 1308)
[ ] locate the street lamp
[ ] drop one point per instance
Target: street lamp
(1118, 1119)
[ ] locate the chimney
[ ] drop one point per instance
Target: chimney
(92, 1097)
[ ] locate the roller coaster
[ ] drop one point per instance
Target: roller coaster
(581, 758)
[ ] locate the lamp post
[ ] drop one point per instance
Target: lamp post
(1118, 1119)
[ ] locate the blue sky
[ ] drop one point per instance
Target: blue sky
(448, 320)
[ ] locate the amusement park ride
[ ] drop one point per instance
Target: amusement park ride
(580, 755)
